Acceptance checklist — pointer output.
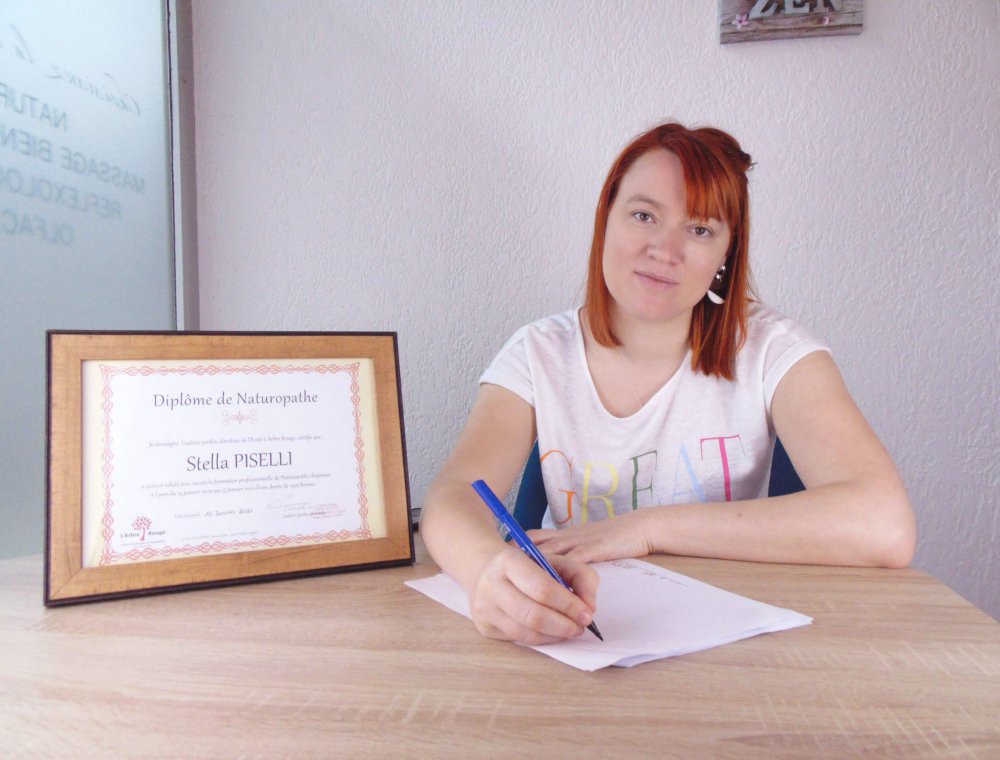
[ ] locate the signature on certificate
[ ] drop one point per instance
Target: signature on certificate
(291, 508)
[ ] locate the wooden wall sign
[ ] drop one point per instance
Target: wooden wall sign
(754, 20)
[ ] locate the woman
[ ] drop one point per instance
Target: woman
(656, 406)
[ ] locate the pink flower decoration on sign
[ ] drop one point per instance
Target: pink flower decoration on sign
(742, 20)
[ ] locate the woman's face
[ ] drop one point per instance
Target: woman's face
(659, 262)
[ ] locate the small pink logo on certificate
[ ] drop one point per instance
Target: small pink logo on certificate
(239, 418)
(142, 523)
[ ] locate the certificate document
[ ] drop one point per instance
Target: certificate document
(203, 457)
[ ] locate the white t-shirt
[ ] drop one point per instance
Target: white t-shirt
(698, 438)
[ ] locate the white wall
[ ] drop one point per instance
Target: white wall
(432, 168)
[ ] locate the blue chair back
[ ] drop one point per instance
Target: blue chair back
(784, 479)
(529, 508)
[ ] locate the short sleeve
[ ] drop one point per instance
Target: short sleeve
(510, 368)
(781, 342)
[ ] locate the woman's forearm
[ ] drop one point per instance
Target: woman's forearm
(459, 534)
(868, 524)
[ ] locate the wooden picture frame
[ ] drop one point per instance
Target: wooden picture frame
(178, 460)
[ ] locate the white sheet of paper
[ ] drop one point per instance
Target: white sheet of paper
(645, 612)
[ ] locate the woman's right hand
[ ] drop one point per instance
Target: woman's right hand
(514, 599)
(510, 597)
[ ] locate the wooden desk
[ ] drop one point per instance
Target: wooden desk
(357, 665)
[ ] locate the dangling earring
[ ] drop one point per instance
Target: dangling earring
(712, 295)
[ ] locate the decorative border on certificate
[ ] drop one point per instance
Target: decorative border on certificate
(178, 460)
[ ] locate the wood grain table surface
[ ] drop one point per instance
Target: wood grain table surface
(356, 665)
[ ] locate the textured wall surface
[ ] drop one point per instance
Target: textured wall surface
(432, 168)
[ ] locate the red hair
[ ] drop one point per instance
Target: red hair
(715, 179)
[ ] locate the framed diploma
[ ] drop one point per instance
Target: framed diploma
(180, 460)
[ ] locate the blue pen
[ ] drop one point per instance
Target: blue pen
(521, 538)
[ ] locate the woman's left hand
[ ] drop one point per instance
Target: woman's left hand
(623, 536)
